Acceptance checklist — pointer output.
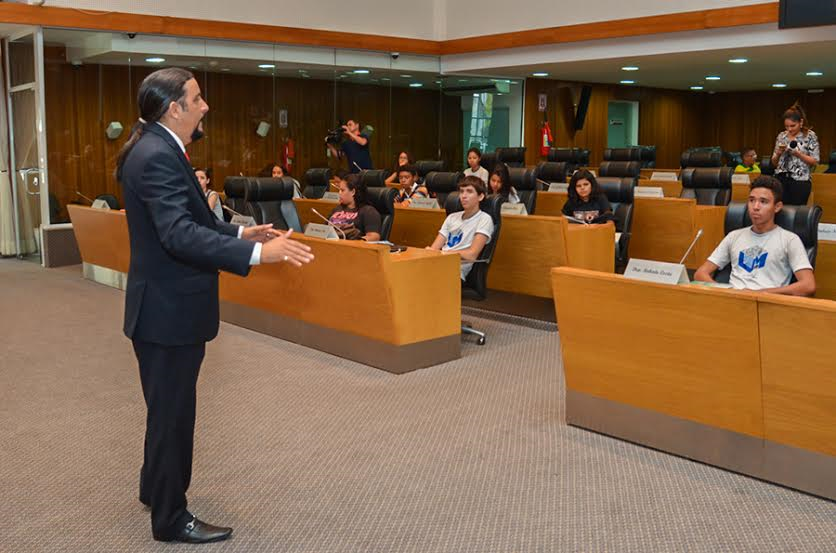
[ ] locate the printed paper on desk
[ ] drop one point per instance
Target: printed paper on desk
(740, 178)
(662, 175)
(648, 192)
(827, 231)
(514, 209)
(334, 196)
(242, 220)
(424, 203)
(656, 271)
(317, 230)
(558, 187)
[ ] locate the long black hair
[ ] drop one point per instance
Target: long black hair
(501, 171)
(156, 93)
(584, 174)
(355, 183)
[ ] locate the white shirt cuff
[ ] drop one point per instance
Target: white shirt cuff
(255, 258)
(240, 230)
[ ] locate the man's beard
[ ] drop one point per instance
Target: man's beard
(198, 133)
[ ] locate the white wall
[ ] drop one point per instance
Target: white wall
(486, 17)
(405, 18)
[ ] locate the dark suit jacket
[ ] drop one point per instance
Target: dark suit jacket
(177, 246)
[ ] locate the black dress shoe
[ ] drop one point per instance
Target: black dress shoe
(197, 531)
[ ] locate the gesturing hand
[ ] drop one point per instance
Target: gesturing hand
(258, 233)
(282, 248)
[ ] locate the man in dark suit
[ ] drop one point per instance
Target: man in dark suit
(171, 304)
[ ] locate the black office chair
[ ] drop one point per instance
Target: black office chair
(620, 169)
(551, 171)
(733, 159)
(512, 157)
(488, 160)
(711, 156)
(619, 192)
(524, 182)
(374, 178)
(237, 191)
(708, 185)
(576, 156)
(831, 168)
(623, 154)
(316, 182)
(426, 166)
(648, 155)
(766, 166)
(475, 285)
(803, 220)
(383, 200)
(272, 202)
(439, 184)
(110, 200)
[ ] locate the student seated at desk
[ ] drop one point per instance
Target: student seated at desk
(750, 162)
(354, 216)
(764, 256)
(474, 169)
(407, 176)
(587, 202)
(403, 160)
(500, 183)
(466, 232)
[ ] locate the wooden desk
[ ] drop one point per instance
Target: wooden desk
(824, 194)
(304, 206)
(416, 227)
(721, 376)
(648, 172)
(670, 188)
(826, 270)
(373, 316)
(664, 227)
(550, 204)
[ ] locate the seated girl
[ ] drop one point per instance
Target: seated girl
(474, 169)
(500, 183)
(403, 160)
(466, 232)
(587, 203)
(354, 215)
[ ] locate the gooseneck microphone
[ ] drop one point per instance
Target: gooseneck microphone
(85, 197)
(227, 208)
(691, 247)
(329, 223)
(358, 167)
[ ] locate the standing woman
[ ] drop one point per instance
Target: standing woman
(796, 151)
(204, 177)
(403, 160)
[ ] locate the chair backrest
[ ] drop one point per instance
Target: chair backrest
(237, 191)
(383, 200)
(803, 220)
(832, 162)
(576, 156)
(766, 166)
(620, 169)
(110, 200)
(623, 154)
(488, 160)
(477, 278)
(268, 200)
(316, 182)
(708, 185)
(619, 192)
(733, 159)
(512, 157)
(702, 157)
(429, 165)
(441, 183)
(525, 182)
(553, 171)
(374, 178)
(648, 156)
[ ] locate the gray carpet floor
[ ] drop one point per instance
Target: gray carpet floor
(305, 452)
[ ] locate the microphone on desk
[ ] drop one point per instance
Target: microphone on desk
(329, 223)
(83, 196)
(227, 208)
(691, 247)
(334, 185)
(358, 167)
(544, 183)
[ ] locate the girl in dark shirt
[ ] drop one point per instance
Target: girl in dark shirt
(499, 183)
(354, 216)
(586, 201)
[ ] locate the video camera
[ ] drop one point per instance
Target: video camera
(335, 135)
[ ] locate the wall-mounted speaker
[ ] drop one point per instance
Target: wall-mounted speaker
(262, 129)
(114, 130)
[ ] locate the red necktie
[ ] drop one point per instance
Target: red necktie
(185, 153)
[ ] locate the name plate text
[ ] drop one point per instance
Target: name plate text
(656, 271)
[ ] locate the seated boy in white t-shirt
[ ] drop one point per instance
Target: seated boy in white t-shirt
(764, 256)
(466, 232)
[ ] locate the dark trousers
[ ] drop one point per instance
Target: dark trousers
(169, 384)
(796, 192)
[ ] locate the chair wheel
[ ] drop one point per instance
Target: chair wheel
(481, 341)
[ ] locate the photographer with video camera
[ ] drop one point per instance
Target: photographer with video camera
(796, 151)
(355, 146)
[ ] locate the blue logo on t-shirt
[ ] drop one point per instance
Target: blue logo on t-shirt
(752, 259)
(454, 239)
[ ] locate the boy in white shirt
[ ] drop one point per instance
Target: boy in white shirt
(763, 257)
(466, 232)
